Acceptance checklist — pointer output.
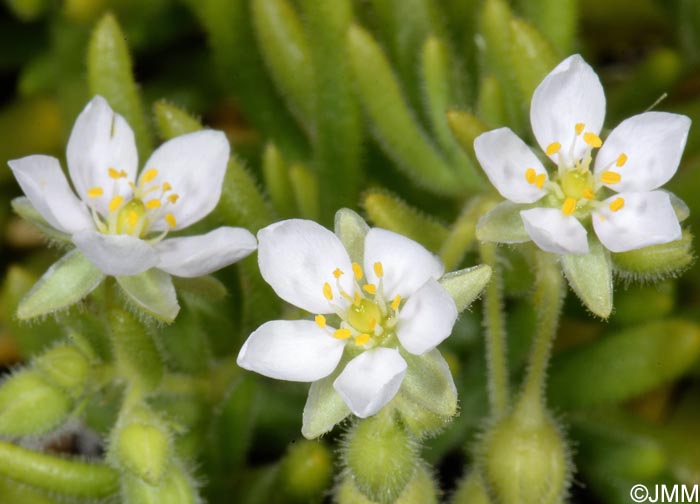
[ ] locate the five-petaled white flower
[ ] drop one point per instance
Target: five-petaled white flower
(392, 300)
(120, 221)
(620, 194)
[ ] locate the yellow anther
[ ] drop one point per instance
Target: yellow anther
(540, 180)
(173, 198)
(396, 302)
(166, 186)
(362, 339)
(115, 203)
(149, 175)
(553, 148)
(610, 177)
(579, 128)
(357, 270)
(133, 218)
(569, 206)
(357, 300)
(95, 192)
(320, 321)
(617, 204)
(337, 273)
(592, 139)
(170, 219)
(342, 333)
(370, 288)
(327, 291)
(530, 175)
(588, 193)
(621, 159)
(154, 203)
(116, 174)
(378, 269)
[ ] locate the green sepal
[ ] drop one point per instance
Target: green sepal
(177, 487)
(503, 224)
(391, 212)
(153, 292)
(679, 206)
(590, 277)
(24, 208)
(29, 405)
(173, 121)
(324, 407)
(207, 286)
(624, 365)
(66, 367)
(66, 282)
(422, 488)
(142, 449)
(657, 261)
(465, 285)
(427, 399)
(471, 490)
(351, 229)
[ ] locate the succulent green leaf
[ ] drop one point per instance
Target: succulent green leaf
(465, 285)
(590, 277)
(276, 175)
(153, 292)
(532, 56)
(242, 203)
(556, 19)
(23, 207)
(465, 127)
(173, 121)
(503, 224)
(66, 282)
(351, 229)
(208, 286)
(624, 364)
(305, 187)
(110, 74)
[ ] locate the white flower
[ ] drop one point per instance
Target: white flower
(119, 220)
(620, 195)
(367, 310)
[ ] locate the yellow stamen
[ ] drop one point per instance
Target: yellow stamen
(357, 270)
(337, 273)
(327, 291)
(166, 186)
(553, 148)
(579, 128)
(95, 192)
(378, 269)
(151, 204)
(540, 180)
(357, 300)
(362, 339)
(320, 321)
(170, 219)
(116, 174)
(372, 324)
(592, 139)
(149, 175)
(115, 203)
(530, 175)
(133, 218)
(610, 177)
(617, 204)
(342, 333)
(621, 159)
(569, 206)
(173, 198)
(588, 193)
(371, 288)
(396, 302)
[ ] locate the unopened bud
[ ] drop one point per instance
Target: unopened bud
(66, 367)
(143, 449)
(421, 489)
(176, 488)
(306, 471)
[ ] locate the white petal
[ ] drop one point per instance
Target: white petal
(101, 139)
(555, 232)
(297, 257)
(116, 255)
(407, 264)
(653, 143)
(569, 95)
(294, 350)
(194, 165)
(647, 218)
(506, 158)
(193, 256)
(43, 182)
(371, 380)
(427, 318)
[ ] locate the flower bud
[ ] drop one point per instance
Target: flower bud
(306, 471)
(471, 490)
(176, 488)
(29, 405)
(381, 456)
(66, 367)
(143, 449)
(421, 489)
(525, 458)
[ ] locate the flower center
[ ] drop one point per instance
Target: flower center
(136, 215)
(365, 315)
